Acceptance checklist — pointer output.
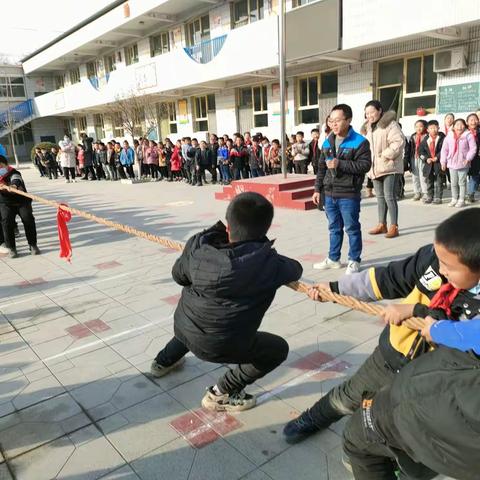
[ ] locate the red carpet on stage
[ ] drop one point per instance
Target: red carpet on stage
(295, 192)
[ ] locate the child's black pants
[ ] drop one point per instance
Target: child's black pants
(346, 398)
(374, 456)
(264, 354)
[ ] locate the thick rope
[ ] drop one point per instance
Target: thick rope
(413, 323)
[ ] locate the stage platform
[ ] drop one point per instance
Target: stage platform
(294, 193)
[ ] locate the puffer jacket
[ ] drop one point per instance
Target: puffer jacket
(227, 288)
(431, 414)
(387, 144)
(457, 158)
(354, 161)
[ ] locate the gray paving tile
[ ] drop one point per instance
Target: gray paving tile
(147, 428)
(84, 454)
(217, 461)
(29, 428)
(119, 391)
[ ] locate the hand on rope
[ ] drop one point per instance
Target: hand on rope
(324, 294)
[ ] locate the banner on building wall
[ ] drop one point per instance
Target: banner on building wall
(146, 76)
(40, 84)
(276, 95)
(177, 36)
(182, 112)
(59, 101)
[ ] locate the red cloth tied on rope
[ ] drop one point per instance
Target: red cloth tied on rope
(444, 298)
(63, 216)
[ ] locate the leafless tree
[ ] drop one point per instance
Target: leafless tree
(8, 123)
(136, 112)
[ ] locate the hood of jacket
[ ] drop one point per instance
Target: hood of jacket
(234, 269)
(385, 120)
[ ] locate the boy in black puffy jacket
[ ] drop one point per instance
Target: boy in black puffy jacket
(229, 275)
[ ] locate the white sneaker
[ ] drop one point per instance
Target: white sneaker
(4, 249)
(74, 181)
(352, 267)
(452, 203)
(327, 264)
(460, 204)
(67, 181)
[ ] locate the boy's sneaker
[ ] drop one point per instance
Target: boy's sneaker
(460, 204)
(452, 203)
(470, 198)
(234, 402)
(352, 267)
(300, 428)
(4, 249)
(428, 200)
(417, 197)
(159, 371)
(34, 250)
(327, 264)
(13, 254)
(437, 201)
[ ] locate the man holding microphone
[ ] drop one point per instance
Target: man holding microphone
(344, 161)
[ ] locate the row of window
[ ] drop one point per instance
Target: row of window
(12, 87)
(403, 85)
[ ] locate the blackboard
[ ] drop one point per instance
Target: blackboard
(464, 97)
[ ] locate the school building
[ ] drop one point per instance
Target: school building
(199, 66)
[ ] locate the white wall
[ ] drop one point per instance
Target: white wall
(355, 89)
(226, 111)
(373, 21)
(171, 71)
(47, 127)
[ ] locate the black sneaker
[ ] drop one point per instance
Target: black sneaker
(299, 429)
(13, 254)
(34, 250)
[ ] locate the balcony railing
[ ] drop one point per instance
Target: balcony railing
(16, 115)
(206, 51)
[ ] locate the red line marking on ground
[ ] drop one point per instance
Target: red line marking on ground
(97, 326)
(79, 331)
(31, 282)
(107, 265)
(172, 300)
(202, 427)
(312, 257)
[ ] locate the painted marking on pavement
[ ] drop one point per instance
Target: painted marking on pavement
(104, 340)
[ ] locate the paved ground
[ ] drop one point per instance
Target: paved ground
(76, 342)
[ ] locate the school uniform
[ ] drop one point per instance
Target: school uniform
(432, 172)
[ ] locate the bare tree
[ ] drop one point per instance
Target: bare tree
(8, 122)
(138, 116)
(136, 112)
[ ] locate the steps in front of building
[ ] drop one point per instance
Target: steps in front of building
(294, 192)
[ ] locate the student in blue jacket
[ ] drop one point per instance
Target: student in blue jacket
(127, 159)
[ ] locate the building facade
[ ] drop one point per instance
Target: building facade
(203, 66)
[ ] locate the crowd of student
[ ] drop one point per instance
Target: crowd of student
(226, 158)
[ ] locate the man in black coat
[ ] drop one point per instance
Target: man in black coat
(203, 162)
(229, 276)
(12, 205)
(88, 149)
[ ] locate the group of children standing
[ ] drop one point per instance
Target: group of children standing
(433, 155)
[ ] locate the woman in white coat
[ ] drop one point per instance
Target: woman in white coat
(67, 158)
